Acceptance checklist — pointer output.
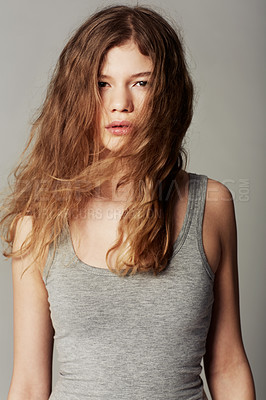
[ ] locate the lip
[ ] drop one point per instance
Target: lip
(119, 128)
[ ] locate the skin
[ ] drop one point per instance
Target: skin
(226, 366)
(122, 93)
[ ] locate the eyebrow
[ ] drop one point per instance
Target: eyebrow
(146, 73)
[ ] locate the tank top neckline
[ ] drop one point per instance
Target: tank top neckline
(176, 246)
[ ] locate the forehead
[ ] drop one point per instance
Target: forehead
(125, 58)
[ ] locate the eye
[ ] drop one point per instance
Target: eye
(142, 83)
(102, 84)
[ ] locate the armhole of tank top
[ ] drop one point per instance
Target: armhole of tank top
(48, 263)
(203, 184)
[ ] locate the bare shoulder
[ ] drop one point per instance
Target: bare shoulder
(23, 230)
(220, 206)
(22, 233)
(217, 191)
(219, 199)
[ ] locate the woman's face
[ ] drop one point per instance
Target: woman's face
(123, 85)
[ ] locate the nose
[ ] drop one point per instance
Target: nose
(121, 100)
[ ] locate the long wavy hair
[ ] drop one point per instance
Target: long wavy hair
(63, 165)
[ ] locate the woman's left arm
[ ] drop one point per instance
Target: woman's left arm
(226, 365)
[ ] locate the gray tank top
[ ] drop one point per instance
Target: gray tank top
(139, 337)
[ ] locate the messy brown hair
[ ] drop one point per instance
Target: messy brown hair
(63, 167)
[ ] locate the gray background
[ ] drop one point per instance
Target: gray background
(226, 141)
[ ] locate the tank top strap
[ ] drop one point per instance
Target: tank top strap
(197, 195)
(194, 236)
(60, 253)
(195, 208)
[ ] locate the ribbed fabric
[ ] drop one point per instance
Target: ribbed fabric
(139, 337)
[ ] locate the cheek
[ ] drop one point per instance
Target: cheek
(104, 98)
(103, 109)
(139, 100)
(103, 95)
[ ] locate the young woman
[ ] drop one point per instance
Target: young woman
(122, 257)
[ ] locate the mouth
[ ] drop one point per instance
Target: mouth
(119, 128)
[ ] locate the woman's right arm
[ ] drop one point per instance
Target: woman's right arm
(33, 330)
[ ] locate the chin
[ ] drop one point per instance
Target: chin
(112, 143)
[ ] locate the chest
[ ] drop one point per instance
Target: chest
(97, 302)
(94, 236)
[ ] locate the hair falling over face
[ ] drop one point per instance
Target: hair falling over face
(65, 163)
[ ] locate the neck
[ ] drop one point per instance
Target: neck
(109, 193)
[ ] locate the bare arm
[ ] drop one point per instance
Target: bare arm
(226, 365)
(33, 330)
